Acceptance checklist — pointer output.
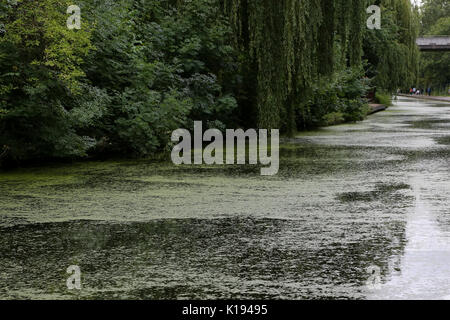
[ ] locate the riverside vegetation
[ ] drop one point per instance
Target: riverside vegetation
(137, 70)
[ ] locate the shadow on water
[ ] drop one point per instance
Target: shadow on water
(380, 192)
(185, 258)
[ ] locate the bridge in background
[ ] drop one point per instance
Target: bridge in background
(434, 43)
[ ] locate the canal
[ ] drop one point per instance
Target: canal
(357, 211)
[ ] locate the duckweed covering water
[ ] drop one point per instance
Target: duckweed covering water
(346, 198)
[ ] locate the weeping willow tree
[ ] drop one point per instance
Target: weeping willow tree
(287, 45)
(392, 52)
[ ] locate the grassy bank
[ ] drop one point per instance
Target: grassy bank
(383, 98)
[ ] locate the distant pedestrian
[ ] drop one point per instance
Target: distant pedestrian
(414, 90)
(410, 91)
(429, 91)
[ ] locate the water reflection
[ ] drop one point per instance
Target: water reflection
(423, 271)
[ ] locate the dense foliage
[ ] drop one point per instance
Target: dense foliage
(288, 47)
(435, 66)
(391, 52)
(432, 11)
(138, 69)
(41, 89)
(134, 72)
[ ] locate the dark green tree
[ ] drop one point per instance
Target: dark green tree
(41, 81)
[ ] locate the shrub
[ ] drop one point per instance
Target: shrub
(336, 100)
(383, 98)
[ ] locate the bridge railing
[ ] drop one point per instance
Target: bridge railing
(437, 43)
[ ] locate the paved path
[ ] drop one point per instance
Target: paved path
(436, 98)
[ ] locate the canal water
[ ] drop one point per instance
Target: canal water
(357, 211)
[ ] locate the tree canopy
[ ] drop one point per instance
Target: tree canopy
(139, 69)
(435, 66)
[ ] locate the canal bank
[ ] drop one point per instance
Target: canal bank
(375, 108)
(424, 97)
